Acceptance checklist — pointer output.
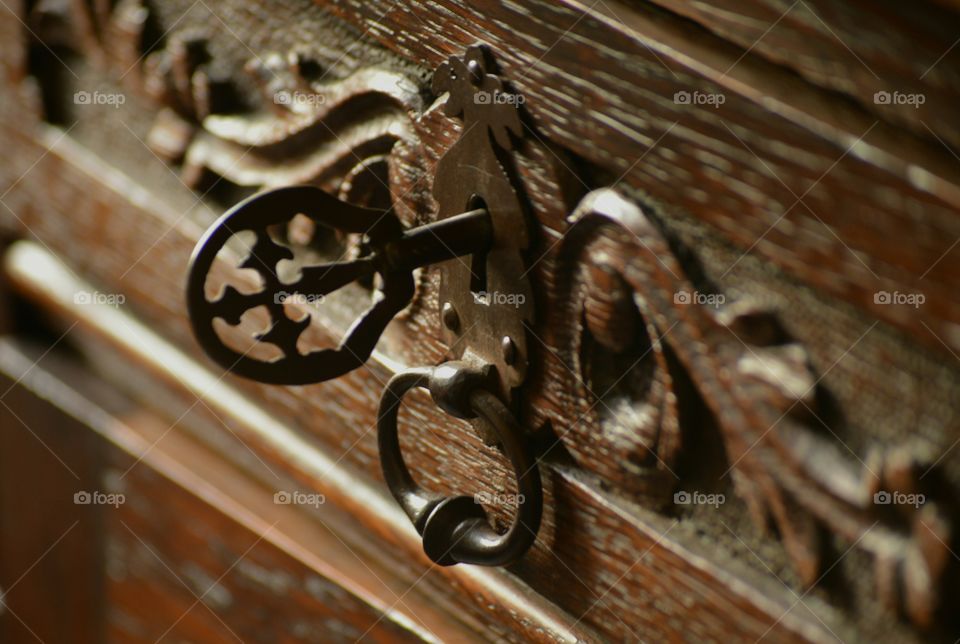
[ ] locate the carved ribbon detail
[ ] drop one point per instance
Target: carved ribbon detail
(760, 388)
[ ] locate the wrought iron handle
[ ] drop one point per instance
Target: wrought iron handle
(395, 253)
(456, 529)
(477, 172)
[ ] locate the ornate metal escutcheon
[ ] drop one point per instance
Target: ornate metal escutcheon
(478, 237)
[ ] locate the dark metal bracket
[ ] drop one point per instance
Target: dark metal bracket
(479, 237)
(487, 302)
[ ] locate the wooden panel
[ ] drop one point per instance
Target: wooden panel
(51, 572)
(180, 570)
(857, 48)
(782, 169)
(630, 553)
(171, 561)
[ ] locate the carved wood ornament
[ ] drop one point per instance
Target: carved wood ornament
(616, 282)
(759, 386)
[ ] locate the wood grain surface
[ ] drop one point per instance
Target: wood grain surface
(789, 193)
(212, 557)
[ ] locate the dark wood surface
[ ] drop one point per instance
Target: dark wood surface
(856, 49)
(780, 160)
(51, 568)
(798, 199)
(190, 549)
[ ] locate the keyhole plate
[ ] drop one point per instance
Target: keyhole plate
(488, 325)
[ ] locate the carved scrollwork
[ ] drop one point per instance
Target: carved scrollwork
(282, 118)
(761, 389)
(638, 314)
(619, 360)
(303, 130)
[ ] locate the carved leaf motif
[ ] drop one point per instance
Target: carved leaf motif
(758, 384)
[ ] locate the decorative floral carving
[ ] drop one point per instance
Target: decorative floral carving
(759, 386)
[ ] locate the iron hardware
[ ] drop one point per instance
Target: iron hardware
(481, 215)
(456, 529)
(395, 253)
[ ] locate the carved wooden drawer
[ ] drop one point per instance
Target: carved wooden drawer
(742, 352)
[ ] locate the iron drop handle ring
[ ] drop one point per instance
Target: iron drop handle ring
(481, 213)
(456, 529)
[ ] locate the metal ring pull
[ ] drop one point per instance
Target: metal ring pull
(456, 529)
(486, 302)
